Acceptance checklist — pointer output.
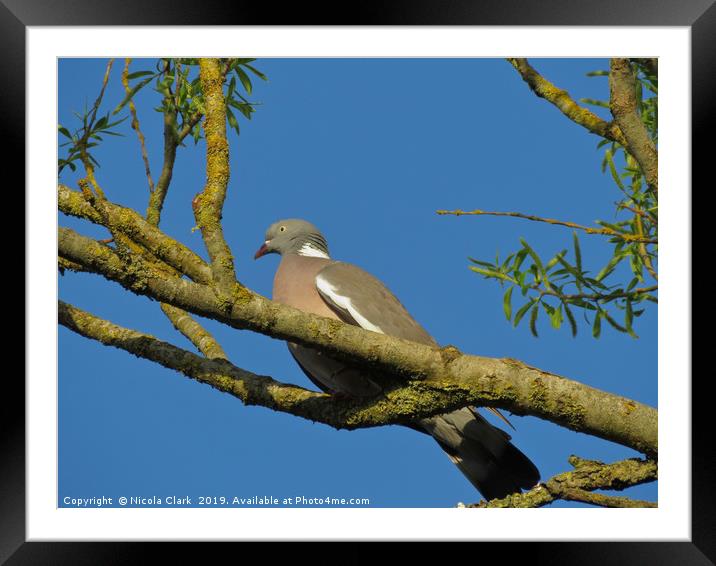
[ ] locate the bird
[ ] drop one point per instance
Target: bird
(308, 279)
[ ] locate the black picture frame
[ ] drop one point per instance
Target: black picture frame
(699, 15)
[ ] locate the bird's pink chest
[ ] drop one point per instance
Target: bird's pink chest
(295, 285)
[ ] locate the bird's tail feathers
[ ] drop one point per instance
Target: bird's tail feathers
(483, 453)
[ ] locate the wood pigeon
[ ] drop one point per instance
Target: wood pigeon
(309, 280)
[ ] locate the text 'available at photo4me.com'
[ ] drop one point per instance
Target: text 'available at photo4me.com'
(214, 501)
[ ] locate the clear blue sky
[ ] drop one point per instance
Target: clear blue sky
(367, 149)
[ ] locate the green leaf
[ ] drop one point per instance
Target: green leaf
(629, 318)
(570, 318)
(632, 284)
(482, 263)
(130, 95)
(489, 273)
(533, 320)
(233, 122)
(533, 255)
(523, 310)
(507, 303)
(64, 131)
(552, 262)
(256, 72)
(613, 322)
(555, 317)
(519, 258)
(244, 79)
(597, 326)
(598, 74)
(138, 74)
(613, 169)
(609, 267)
(577, 251)
(232, 88)
(101, 123)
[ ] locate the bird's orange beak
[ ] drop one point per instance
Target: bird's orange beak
(263, 250)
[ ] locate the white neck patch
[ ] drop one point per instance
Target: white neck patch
(312, 251)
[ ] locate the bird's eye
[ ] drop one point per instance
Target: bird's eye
(282, 229)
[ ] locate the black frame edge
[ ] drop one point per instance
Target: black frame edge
(700, 14)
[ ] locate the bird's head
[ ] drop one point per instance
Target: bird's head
(293, 236)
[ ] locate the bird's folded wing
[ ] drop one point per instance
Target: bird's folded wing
(359, 298)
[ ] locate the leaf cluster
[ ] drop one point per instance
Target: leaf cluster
(182, 100)
(558, 287)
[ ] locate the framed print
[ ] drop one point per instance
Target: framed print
(430, 205)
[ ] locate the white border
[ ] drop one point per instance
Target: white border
(671, 521)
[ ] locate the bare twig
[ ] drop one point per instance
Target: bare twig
(587, 229)
(158, 196)
(82, 143)
(135, 124)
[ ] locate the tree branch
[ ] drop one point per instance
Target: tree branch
(128, 222)
(561, 99)
(587, 229)
(587, 476)
(208, 204)
(82, 143)
(135, 124)
(402, 405)
(623, 106)
(469, 380)
(159, 194)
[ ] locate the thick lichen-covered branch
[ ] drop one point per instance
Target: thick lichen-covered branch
(401, 405)
(623, 105)
(131, 224)
(208, 204)
(561, 99)
(579, 484)
(501, 383)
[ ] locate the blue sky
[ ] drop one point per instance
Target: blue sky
(366, 149)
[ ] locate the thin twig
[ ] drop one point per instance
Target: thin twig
(135, 124)
(587, 229)
(82, 143)
(158, 196)
(602, 500)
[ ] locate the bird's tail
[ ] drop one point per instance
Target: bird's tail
(482, 452)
